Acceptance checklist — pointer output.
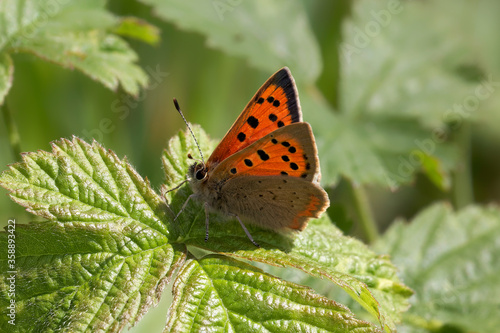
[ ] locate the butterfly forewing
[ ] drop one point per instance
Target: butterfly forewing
(289, 152)
(275, 105)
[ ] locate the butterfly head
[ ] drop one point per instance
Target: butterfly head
(198, 176)
(198, 171)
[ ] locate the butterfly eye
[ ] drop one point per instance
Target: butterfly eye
(200, 174)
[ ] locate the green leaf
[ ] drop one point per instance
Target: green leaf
(451, 260)
(268, 34)
(321, 250)
(102, 258)
(72, 34)
(138, 29)
(400, 87)
(6, 73)
(397, 66)
(387, 151)
(208, 296)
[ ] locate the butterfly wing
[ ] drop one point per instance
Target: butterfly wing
(273, 182)
(274, 202)
(276, 104)
(288, 151)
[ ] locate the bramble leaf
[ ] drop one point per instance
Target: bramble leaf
(73, 34)
(208, 295)
(267, 34)
(451, 260)
(101, 258)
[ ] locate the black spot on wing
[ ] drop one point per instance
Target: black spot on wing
(253, 122)
(262, 154)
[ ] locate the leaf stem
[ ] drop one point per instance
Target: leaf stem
(462, 192)
(364, 212)
(12, 132)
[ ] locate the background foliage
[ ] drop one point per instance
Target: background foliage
(402, 96)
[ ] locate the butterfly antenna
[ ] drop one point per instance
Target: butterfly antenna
(189, 128)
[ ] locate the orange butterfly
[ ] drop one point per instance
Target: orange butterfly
(266, 168)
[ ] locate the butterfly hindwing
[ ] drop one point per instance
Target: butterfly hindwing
(275, 105)
(289, 151)
(275, 202)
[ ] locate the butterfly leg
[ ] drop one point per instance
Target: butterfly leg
(246, 230)
(184, 206)
(206, 221)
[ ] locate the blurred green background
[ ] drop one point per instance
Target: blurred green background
(212, 86)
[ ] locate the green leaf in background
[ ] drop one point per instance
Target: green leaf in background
(103, 257)
(139, 29)
(269, 35)
(393, 65)
(384, 151)
(451, 260)
(399, 87)
(208, 296)
(6, 73)
(321, 250)
(72, 34)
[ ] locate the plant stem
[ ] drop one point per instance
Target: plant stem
(364, 212)
(463, 193)
(12, 132)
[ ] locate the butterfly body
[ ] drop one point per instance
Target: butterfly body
(266, 169)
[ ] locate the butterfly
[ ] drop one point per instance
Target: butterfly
(265, 170)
